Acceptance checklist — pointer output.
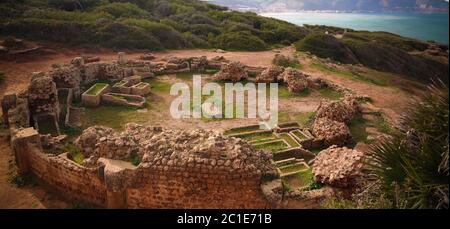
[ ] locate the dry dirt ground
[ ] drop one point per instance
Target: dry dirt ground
(18, 70)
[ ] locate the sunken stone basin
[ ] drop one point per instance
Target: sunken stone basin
(123, 99)
(92, 97)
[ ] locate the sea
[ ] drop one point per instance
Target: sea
(421, 26)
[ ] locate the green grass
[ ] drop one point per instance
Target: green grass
(264, 140)
(330, 93)
(289, 140)
(358, 130)
(303, 180)
(300, 135)
(158, 85)
(283, 92)
(272, 147)
(135, 160)
(74, 152)
(256, 136)
(378, 80)
(305, 119)
(113, 116)
(241, 130)
(2, 76)
(383, 126)
(292, 168)
(94, 90)
(306, 178)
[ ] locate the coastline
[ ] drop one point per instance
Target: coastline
(433, 25)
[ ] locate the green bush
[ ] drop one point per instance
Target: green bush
(326, 46)
(193, 41)
(152, 24)
(170, 38)
(240, 41)
(126, 10)
(285, 61)
(413, 164)
(117, 35)
(405, 44)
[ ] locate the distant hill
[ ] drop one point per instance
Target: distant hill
(180, 24)
(335, 5)
(144, 24)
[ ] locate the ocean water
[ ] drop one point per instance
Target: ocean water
(422, 26)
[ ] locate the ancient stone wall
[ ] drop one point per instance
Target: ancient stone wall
(118, 184)
(196, 188)
(73, 181)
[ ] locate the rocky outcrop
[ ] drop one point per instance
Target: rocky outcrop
(295, 80)
(332, 132)
(270, 75)
(338, 167)
(233, 71)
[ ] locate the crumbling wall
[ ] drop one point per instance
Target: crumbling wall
(73, 181)
(196, 187)
(209, 171)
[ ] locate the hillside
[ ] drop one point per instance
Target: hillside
(144, 24)
(378, 50)
(177, 24)
(342, 5)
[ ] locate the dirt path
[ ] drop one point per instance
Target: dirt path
(29, 196)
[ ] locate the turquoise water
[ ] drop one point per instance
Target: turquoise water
(422, 26)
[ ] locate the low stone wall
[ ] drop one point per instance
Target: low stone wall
(195, 188)
(119, 184)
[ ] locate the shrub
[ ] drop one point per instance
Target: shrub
(2, 76)
(127, 10)
(413, 164)
(284, 61)
(193, 41)
(166, 35)
(117, 35)
(326, 46)
(240, 41)
(405, 44)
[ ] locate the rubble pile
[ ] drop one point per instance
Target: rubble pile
(43, 95)
(270, 75)
(339, 111)
(332, 132)
(67, 77)
(233, 71)
(295, 80)
(338, 167)
(177, 148)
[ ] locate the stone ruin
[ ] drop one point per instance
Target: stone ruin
(338, 167)
(177, 169)
(295, 80)
(332, 119)
(233, 72)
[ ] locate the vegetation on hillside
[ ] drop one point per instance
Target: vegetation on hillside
(144, 24)
(411, 166)
(378, 50)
